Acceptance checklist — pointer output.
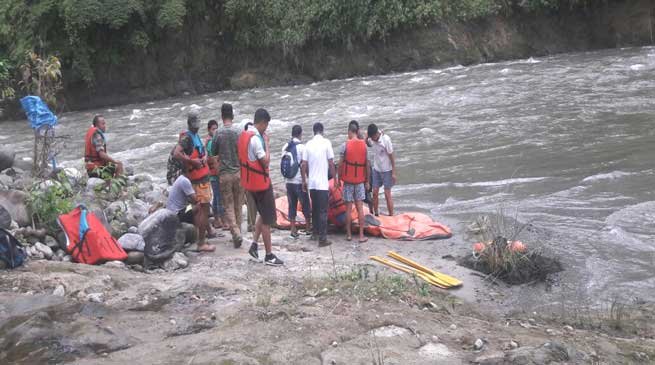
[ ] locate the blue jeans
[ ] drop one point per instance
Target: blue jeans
(217, 205)
(295, 194)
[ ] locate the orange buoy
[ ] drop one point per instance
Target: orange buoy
(518, 246)
(478, 247)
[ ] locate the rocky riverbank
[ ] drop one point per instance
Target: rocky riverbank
(325, 306)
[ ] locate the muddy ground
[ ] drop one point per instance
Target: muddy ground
(325, 306)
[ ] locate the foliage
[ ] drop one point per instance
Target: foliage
(6, 80)
(49, 199)
(42, 77)
(115, 185)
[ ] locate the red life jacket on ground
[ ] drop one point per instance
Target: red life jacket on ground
(253, 176)
(96, 246)
(353, 167)
(192, 173)
(92, 159)
(213, 167)
(336, 205)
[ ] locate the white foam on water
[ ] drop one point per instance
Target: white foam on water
(505, 71)
(418, 79)
(136, 114)
(637, 67)
(524, 180)
(608, 176)
(142, 152)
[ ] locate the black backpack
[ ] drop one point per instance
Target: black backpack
(289, 163)
(11, 251)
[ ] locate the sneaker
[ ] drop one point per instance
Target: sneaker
(237, 241)
(253, 250)
(324, 243)
(272, 260)
(294, 235)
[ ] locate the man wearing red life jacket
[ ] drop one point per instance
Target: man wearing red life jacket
(254, 158)
(353, 172)
(191, 152)
(95, 150)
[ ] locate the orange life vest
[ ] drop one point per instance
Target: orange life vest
(353, 167)
(96, 245)
(195, 174)
(336, 205)
(213, 165)
(92, 159)
(253, 176)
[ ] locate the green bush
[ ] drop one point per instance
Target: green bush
(48, 200)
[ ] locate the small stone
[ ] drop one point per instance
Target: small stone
(115, 264)
(532, 321)
(51, 242)
(67, 258)
(550, 331)
(47, 251)
(59, 291)
(309, 301)
(335, 344)
(213, 316)
(568, 328)
(435, 339)
(478, 345)
(133, 230)
(178, 261)
(95, 297)
(453, 327)
(172, 321)
(513, 345)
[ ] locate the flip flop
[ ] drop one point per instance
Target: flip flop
(349, 238)
(206, 248)
(362, 240)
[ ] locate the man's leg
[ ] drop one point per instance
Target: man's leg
(292, 202)
(315, 213)
(201, 221)
(349, 207)
(225, 187)
(306, 209)
(360, 217)
(388, 184)
(252, 212)
(237, 193)
(376, 193)
(322, 216)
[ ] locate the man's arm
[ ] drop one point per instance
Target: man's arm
(179, 155)
(368, 174)
(332, 168)
(393, 167)
(105, 157)
(303, 173)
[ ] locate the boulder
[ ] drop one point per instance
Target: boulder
(5, 180)
(59, 291)
(7, 157)
(133, 229)
(178, 261)
(5, 218)
(51, 242)
(154, 196)
(158, 231)
(550, 352)
(132, 242)
(116, 210)
(135, 258)
(137, 211)
(190, 232)
(118, 228)
(14, 201)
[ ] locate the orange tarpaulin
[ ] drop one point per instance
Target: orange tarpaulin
(404, 226)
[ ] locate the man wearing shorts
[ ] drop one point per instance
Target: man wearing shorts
(384, 167)
(254, 154)
(353, 172)
(191, 152)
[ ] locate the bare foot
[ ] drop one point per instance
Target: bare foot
(206, 248)
(363, 239)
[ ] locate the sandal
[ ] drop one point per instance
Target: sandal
(349, 238)
(362, 240)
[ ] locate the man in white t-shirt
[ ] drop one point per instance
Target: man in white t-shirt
(317, 163)
(384, 167)
(295, 192)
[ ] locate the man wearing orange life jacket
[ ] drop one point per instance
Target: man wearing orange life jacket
(191, 152)
(353, 172)
(254, 158)
(95, 150)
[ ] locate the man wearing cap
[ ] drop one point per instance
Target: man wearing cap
(191, 152)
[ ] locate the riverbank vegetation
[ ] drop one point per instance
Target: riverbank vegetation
(91, 36)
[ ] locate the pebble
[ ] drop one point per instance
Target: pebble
(115, 264)
(95, 297)
(45, 250)
(568, 328)
(513, 344)
(335, 344)
(453, 327)
(478, 345)
(59, 291)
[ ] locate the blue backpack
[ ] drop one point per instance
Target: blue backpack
(10, 250)
(289, 163)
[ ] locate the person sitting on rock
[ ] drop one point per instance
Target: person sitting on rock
(96, 158)
(180, 196)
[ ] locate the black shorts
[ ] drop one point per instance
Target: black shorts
(265, 203)
(185, 216)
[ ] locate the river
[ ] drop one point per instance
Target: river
(566, 141)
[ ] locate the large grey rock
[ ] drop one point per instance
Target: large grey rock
(116, 210)
(132, 242)
(7, 181)
(14, 202)
(178, 261)
(137, 211)
(154, 196)
(51, 242)
(7, 157)
(5, 218)
(158, 231)
(550, 352)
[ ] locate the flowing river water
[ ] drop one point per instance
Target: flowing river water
(568, 141)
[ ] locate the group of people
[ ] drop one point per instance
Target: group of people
(232, 164)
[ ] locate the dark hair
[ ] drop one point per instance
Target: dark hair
(226, 111)
(318, 127)
(296, 131)
(212, 123)
(96, 118)
(192, 118)
(261, 115)
(372, 130)
(353, 126)
(245, 127)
